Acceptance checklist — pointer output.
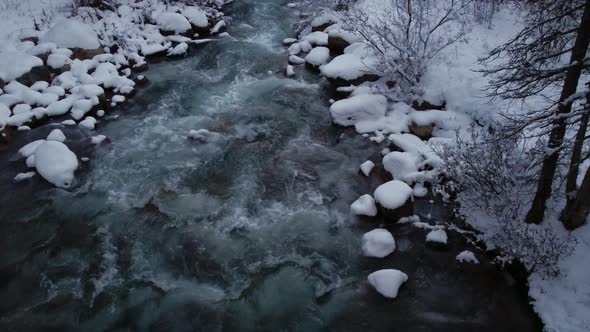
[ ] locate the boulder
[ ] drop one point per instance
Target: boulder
(422, 131)
(337, 44)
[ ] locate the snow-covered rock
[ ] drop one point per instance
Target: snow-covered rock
(56, 135)
(56, 163)
(69, 33)
(350, 69)
(196, 16)
(378, 243)
(173, 22)
(387, 282)
(296, 60)
(29, 149)
(290, 71)
(367, 167)
(14, 64)
(402, 165)
(394, 200)
(364, 206)
(318, 56)
(467, 257)
(437, 236)
(317, 38)
(348, 112)
(179, 49)
(23, 176)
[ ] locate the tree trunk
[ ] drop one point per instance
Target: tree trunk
(574, 169)
(576, 216)
(537, 211)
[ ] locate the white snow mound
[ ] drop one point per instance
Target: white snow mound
(467, 257)
(437, 236)
(378, 243)
(56, 163)
(364, 206)
(387, 282)
(348, 112)
(393, 194)
(69, 33)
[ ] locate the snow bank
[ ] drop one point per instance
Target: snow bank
(348, 112)
(387, 282)
(56, 163)
(364, 206)
(69, 33)
(393, 194)
(378, 243)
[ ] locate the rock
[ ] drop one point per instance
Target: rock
(437, 239)
(357, 81)
(394, 200)
(422, 131)
(425, 105)
(32, 39)
(41, 73)
(337, 44)
(322, 26)
(83, 54)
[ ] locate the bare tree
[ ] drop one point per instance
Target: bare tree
(575, 216)
(406, 34)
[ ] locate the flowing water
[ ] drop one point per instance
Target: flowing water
(250, 231)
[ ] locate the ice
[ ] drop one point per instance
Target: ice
(70, 33)
(378, 243)
(393, 194)
(387, 282)
(56, 163)
(364, 206)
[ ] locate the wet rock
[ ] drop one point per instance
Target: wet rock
(339, 82)
(422, 131)
(323, 26)
(337, 44)
(41, 73)
(393, 215)
(424, 105)
(83, 54)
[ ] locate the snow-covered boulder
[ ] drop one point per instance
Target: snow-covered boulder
(467, 257)
(364, 206)
(317, 38)
(350, 69)
(56, 163)
(318, 56)
(367, 167)
(387, 282)
(401, 165)
(197, 18)
(56, 135)
(394, 200)
(323, 21)
(173, 23)
(69, 33)
(338, 40)
(378, 243)
(178, 50)
(293, 59)
(437, 238)
(14, 64)
(348, 112)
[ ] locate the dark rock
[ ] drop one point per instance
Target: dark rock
(425, 106)
(337, 44)
(391, 84)
(323, 26)
(33, 39)
(41, 73)
(83, 54)
(422, 131)
(141, 82)
(394, 215)
(357, 81)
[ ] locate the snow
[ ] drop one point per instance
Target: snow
(437, 236)
(348, 112)
(364, 206)
(367, 167)
(289, 41)
(318, 56)
(56, 163)
(98, 139)
(290, 71)
(57, 61)
(387, 282)
(70, 33)
(348, 67)
(393, 194)
(296, 60)
(30, 148)
(378, 243)
(294, 49)
(179, 49)
(173, 22)
(467, 257)
(316, 38)
(23, 176)
(402, 165)
(56, 135)
(14, 64)
(88, 123)
(218, 26)
(196, 16)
